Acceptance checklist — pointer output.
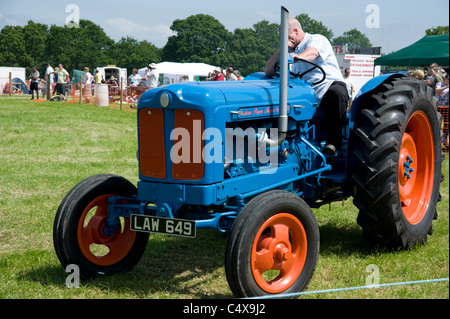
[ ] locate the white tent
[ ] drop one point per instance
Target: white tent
(174, 72)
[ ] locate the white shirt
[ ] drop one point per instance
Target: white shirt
(88, 78)
(327, 60)
(152, 78)
(48, 71)
(135, 79)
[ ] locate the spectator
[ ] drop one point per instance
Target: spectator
(416, 74)
(48, 78)
(113, 85)
(134, 79)
(238, 75)
(419, 75)
(434, 76)
(112, 80)
(152, 76)
(442, 92)
(348, 80)
(34, 82)
(63, 75)
(98, 77)
(87, 92)
(218, 75)
(230, 74)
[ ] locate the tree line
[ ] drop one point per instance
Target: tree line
(198, 38)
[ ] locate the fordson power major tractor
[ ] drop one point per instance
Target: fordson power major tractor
(244, 157)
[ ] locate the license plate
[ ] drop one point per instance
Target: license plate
(161, 225)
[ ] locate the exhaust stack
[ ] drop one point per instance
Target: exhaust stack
(284, 73)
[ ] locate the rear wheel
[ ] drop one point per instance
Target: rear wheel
(78, 232)
(398, 164)
(273, 246)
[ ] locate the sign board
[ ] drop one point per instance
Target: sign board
(340, 49)
(361, 66)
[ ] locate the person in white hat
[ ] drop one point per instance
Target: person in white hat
(218, 75)
(152, 76)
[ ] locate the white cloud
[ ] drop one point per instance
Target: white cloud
(7, 21)
(117, 28)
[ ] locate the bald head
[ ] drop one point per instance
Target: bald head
(295, 33)
(294, 23)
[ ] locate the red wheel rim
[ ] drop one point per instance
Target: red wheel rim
(112, 249)
(280, 246)
(416, 167)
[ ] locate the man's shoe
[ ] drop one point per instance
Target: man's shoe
(329, 149)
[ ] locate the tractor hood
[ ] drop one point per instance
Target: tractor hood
(234, 95)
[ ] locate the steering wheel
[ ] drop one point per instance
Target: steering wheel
(301, 75)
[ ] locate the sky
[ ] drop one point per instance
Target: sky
(391, 24)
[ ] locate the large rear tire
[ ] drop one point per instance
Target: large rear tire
(397, 156)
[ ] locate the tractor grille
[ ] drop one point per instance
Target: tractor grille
(151, 139)
(153, 146)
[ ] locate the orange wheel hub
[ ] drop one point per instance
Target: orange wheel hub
(90, 231)
(416, 167)
(280, 247)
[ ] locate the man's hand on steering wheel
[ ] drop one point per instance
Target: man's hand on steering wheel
(301, 75)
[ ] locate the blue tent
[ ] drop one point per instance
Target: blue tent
(19, 84)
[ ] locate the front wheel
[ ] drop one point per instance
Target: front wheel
(273, 246)
(78, 234)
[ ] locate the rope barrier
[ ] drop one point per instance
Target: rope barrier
(348, 288)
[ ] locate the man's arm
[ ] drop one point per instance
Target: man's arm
(310, 54)
(271, 64)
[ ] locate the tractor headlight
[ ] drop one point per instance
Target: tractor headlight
(164, 99)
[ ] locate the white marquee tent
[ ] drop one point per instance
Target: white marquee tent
(174, 72)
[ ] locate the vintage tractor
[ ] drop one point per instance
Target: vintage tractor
(245, 157)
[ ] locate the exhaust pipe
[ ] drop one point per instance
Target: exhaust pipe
(284, 73)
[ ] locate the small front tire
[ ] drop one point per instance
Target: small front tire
(78, 234)
(273, 246)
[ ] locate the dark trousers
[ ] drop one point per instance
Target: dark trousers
(335, 103)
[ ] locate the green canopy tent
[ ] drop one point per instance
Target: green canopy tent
(75, 76)
(429, 49)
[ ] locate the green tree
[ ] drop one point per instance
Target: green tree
(12, 47)
(199, 38)
(314, 27)
(35, 36)
(251, 48)
(130, 53)
(354, 39)
(440, 30)
(76, 48)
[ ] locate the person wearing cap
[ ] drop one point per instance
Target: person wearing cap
(152, 76)
(218, 75)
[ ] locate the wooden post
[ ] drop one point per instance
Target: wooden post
(81, 88)
(10, 83)
(121, 92)
(48, 85)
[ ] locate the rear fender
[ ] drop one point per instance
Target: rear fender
(366, 90)
(359, 104)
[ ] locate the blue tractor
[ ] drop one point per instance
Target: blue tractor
(244, 157)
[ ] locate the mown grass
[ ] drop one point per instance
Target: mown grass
(47, 147)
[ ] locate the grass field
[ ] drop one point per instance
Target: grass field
(47, 147)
